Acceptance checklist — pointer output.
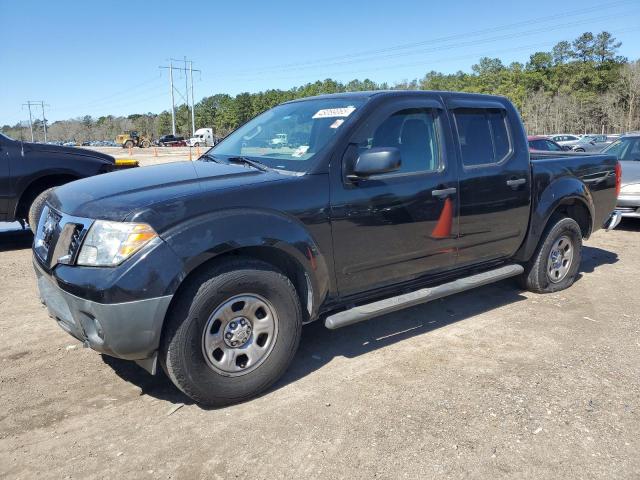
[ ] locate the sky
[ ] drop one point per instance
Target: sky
(98, 58)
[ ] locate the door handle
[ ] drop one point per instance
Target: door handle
(444, 192)
(515, 182)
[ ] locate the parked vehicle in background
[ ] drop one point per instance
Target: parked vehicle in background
(594, 143)
(210, 268)
(543, 144)
(171, 140)
(279, 140)
(132, 139)
(30, 171)
(564, 139)
(627, 150)
(202, 138)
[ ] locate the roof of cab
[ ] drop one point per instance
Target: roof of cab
(398, 93)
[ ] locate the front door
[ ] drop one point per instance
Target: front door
(396, 226)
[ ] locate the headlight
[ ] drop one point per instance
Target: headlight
(633, 189)
(110, 243)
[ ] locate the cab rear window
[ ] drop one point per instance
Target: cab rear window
(483, 135)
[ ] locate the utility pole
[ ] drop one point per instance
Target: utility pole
(44, 122)
(186, 90)
(186, 72)
(173, 102)
(193, 100)
(30, 121)
(29, 104)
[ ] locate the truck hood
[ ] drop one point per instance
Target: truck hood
(114, 196)
(59, 149)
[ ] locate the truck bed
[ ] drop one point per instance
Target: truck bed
(596, 171)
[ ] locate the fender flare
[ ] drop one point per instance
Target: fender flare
(564, 191)
(209, 236)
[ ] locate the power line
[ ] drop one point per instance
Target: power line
(374, 54)
(441, 59)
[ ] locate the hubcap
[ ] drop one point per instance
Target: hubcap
(560, 259)
(239, 334)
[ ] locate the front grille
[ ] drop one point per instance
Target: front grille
(46, 231)
(59, 237)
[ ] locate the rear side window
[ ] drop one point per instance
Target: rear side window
(483, 135)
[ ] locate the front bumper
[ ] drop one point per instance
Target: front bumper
(128, 330)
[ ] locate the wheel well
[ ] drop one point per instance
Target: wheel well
(282, 261)
(36, 188)
(579, 212)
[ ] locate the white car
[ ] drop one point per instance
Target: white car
(564, 139)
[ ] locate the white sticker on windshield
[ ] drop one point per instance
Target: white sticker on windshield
(300, 151)
(337, 123)
(334, 112)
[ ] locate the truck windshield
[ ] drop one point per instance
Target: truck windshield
(288, 136)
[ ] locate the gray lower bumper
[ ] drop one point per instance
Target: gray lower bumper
(629, 205)
(129, 330)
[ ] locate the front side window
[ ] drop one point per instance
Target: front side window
(483, 135)
(288, 136)
(414, 133)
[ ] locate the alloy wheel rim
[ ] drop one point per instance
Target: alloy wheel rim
(560, 259)
(239, 335)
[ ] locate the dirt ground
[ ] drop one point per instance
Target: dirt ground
(493, 383)
(153, 155)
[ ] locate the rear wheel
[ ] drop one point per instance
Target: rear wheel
(128, 144)
(145, 144)
(232, 332)
(555, 263)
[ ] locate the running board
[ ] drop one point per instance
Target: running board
(388, 305)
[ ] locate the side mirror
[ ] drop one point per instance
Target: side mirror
(375, 161)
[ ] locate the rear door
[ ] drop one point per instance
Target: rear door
(396, 226)
(495, 179)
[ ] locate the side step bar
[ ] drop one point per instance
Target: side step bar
(388, 305)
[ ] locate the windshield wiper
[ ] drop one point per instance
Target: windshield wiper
(248, 161)
(208, 158)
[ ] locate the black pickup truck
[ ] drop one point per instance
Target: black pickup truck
(388, 199)
(28, 172)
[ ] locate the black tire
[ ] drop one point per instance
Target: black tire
(536, 276)
(145, 144)
(128, 144)
(36, 207)
(197, 144)
(182, 354)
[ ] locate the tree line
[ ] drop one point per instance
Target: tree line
(580, 86)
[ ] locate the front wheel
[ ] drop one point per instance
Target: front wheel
(232, 332)
(555, 263)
